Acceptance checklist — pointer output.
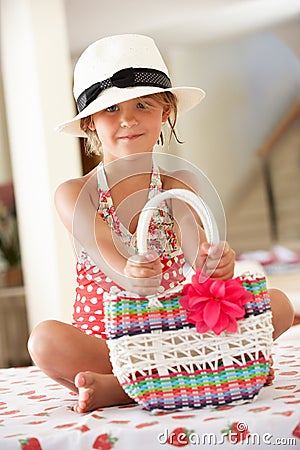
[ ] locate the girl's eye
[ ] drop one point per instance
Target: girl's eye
(112, 108)
(141, 105)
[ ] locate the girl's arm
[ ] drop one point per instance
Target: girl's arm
(77, 202)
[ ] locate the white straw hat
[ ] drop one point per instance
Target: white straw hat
(119, 68)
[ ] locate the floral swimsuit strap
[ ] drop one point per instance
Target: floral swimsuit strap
(162, 238)
(106, 207)
(155, 182)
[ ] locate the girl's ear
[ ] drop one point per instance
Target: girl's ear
(165, 114)
(91, 125)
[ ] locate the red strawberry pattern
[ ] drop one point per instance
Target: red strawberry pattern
(10, 413)
(261, 409)
(296, 431)
(184, 416)
(179, 437)
(104, 441)
(146, 424)
(284, 413)
(66, 425)
(289, 387)
(236, 432)
(82, 428)
(30, 444)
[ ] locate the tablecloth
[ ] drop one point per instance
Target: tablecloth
(37, 414)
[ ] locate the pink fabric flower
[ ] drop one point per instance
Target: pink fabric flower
(213, 304)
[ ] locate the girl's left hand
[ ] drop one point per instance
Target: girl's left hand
(218, 261)
(143, 273)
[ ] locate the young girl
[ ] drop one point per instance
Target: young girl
(124, 97)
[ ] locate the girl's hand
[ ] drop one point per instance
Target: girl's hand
(218, 261)
(143, 273)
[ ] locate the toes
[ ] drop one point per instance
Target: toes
(82, 405)
(81, 408)
(83, 402)
(77, 409)
(84, 380)
(80, 380)
(84, 395)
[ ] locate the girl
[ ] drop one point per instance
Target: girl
(124, 97)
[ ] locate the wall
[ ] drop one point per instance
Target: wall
(289, 34)
(5, 164)
(250, 83)
(37, 97)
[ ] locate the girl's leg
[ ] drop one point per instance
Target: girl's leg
(282, 312)
(282, 319)
(77, 361)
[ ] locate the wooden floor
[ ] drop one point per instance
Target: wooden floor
(13, 328)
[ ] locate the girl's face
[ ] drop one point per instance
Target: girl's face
(129, 127)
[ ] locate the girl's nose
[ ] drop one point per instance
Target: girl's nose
(128, 119)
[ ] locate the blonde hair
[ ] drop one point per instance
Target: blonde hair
(166, 99)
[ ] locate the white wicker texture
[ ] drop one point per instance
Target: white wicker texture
(174, 351)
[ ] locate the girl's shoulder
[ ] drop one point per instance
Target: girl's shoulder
(70, 189)
(71, 193)
(73, 186)
(179, 179)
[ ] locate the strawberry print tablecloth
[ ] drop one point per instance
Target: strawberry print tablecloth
(36, 414)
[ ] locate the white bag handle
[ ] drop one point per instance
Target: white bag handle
(201, 208)
(210, 229)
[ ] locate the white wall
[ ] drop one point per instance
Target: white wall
(250, 83)
(289, 34)
(37, 97)
(5, 165)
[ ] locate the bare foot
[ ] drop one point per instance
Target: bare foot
(271, 376)
(97, 390)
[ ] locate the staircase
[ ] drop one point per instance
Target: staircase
(267, 208)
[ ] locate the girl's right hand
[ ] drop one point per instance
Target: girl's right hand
(143, 273)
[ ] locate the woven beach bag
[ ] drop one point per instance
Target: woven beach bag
(159, 357)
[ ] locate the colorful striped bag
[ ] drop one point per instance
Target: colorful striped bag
(169, 353)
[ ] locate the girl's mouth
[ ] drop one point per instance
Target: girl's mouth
(130, 137)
